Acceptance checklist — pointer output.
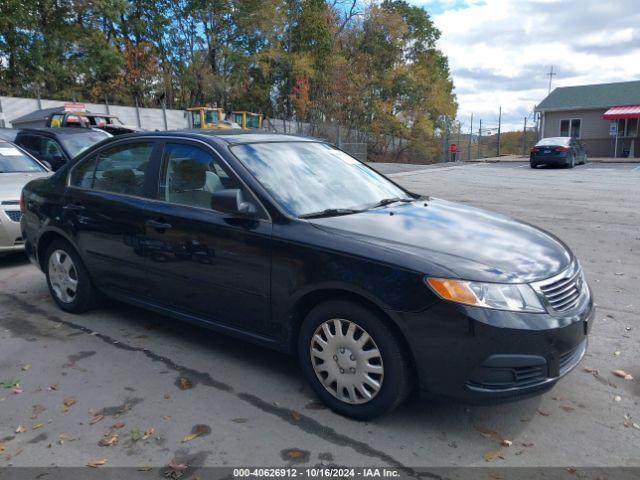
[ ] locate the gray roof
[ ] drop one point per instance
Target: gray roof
(604, 95)
(45, 112)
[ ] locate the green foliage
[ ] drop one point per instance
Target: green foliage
(374, 69)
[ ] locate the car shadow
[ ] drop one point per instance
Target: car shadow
(16, 259)
(457, 419)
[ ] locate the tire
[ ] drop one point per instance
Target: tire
(533, 165)
(393, 371)
(62, 265)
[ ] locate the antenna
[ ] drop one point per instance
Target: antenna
(550, 75)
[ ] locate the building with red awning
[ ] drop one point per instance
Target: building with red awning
(605, 117)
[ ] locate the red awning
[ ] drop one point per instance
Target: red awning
(624, 111)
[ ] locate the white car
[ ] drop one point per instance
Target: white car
(17, 168)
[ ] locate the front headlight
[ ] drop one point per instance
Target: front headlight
(500, 296)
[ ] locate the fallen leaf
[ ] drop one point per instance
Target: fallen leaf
(566, 408)
(118, 425)
(294, 453)
(26, 367)
(148, 433)
(37, 426)
(167, 396)
(530, 444)
(166, 418)
(296, 416)
(17, 391)
(135, 434)
(144, 468)
(96, 419)
(616, 353)
(543, 413)
(67, 403)
(109, 441)
(97, 463)
(617, 398)
(486, 432)
(10, 383)
(506, 443)
(185, 383)
(622, 374)
(53, 387)
(2, 446)
(21, 429)
(197, 431)
(65, 437)
(175, 470)
(490, 456)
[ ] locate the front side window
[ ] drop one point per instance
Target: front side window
(190, 175)
(309, 177)
(120, 169)
(51, 150)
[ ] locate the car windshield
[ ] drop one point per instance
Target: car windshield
(79, 142)
(306, 178)
(12, 160)
(553, 141)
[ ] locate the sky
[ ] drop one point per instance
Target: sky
(500, 51)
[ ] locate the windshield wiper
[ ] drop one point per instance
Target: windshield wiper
(330, 212)
(387, 201)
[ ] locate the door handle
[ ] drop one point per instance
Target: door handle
(157, 224)
(74, 207)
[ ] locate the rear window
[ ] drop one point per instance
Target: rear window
(553, 141)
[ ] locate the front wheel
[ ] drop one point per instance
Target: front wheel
(354, 362)
(68, 279)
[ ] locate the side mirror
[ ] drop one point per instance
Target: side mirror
(232, 201)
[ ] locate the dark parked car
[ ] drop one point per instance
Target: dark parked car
(57, 146)
(293, 244)
(564, 151)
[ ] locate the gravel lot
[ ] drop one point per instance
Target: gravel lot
(123, 366)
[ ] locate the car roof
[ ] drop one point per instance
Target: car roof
(231, 136)
(58, 130)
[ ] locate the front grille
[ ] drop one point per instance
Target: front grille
(563, 294)
(10, 202)
(14, 215)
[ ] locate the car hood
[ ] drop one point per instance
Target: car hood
(11, 183)
(435, 236)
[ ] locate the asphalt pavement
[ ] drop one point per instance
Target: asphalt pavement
(172, 391)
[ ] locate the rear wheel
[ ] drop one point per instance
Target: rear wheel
(533, 164)
(68, 279)
(353, 361)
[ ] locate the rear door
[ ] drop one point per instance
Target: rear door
(107, 203)
(214, 265)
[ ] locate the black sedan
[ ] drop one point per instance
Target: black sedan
(56, 146)
(560, 151)
(293, 244)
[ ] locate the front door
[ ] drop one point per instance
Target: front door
(200, 261)
(107, 204)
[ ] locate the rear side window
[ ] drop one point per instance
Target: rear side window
(120, 169)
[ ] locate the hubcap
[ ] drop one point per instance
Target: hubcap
(347, 361)
(63, 276)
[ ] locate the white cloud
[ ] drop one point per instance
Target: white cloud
(500, 51)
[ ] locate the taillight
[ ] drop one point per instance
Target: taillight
(535, 150)
(562, 149)
(23, 206)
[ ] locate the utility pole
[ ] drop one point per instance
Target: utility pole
(480, 139)
(550, 75)
(499, 124)
(470, 137)
(524, 138)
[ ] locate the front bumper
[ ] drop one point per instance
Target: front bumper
(477, 354)
(10, 237)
